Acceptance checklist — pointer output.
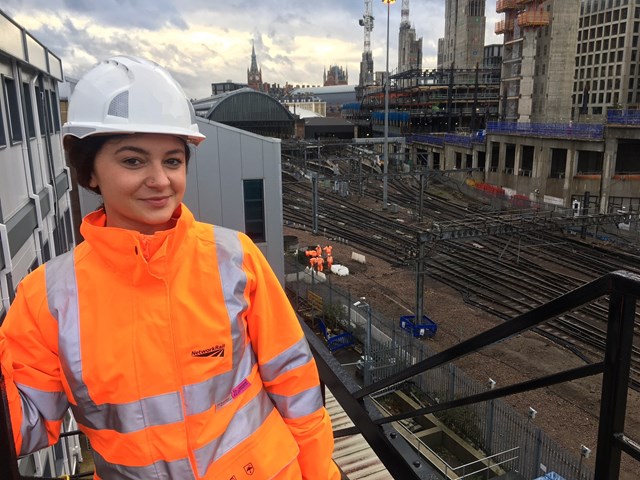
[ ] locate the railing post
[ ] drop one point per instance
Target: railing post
(615, 383)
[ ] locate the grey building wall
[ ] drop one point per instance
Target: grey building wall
(216, 174)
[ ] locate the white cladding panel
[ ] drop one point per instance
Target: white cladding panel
(23, 260)
(13, 180)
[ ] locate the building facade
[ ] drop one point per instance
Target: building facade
(336, 75)
(607, 74)
(463, 45)
(538, 57)
(35, 207)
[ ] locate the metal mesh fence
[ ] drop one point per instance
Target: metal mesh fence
(494, 427)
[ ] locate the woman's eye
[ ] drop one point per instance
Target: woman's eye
(132, 162)
(174, 162)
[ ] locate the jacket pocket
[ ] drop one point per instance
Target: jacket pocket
(264, 455)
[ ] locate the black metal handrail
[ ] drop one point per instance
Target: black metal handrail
(623, 289)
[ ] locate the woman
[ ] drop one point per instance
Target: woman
(171, 340)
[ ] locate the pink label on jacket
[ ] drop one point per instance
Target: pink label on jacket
(241, 387)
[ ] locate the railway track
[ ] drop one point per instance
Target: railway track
(500, 275)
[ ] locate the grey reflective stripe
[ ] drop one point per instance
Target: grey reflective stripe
(36, 406)
(130, 417)
(295, 356)
(300, 405)
(62, 297)
(243, 424)
(201, 396)
(160, 470)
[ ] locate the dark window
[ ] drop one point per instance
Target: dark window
(558, 162)
(590, 162)
(41, 116)
(254, 210)
(13, 109)
(3, 136)
(47, 99)
(55, 112)
(28, 103)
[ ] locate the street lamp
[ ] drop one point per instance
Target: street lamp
(367, 348)
(385, 152)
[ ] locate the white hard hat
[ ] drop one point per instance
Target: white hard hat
(130, 95)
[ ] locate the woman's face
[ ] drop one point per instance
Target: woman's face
(142, 178)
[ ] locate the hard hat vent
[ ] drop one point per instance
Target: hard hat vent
(119, 106)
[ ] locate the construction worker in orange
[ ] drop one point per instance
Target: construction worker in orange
(313, 262)
(329, 261)
(318, 251)
(328, 249)
(320, 263)
(158, 331)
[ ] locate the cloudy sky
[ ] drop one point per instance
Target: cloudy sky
(207, 41)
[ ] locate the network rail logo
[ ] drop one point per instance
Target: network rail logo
(215, 351)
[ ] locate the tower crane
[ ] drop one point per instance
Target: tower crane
(366, 66)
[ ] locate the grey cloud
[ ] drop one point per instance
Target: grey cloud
(149, 14)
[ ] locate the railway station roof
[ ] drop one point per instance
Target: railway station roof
(249, 110)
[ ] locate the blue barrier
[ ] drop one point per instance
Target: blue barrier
(623, 117)
(427, 328)
(552, 130)
(336, 342)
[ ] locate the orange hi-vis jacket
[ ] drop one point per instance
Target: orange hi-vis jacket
(179, 355)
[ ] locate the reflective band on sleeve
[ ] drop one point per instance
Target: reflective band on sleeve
(243, 424)
(300, 405)
(295, 356)
(177, 469)
(131, 417)
(36, 406)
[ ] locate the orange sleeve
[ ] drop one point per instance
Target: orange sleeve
(30, 365)
(275, 330)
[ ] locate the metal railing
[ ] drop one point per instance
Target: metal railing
(622, 288)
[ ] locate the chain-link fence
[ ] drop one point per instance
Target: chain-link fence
(493, 428)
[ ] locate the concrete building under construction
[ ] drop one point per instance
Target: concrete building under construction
(538, 57)
(463, 45)
(409, 46)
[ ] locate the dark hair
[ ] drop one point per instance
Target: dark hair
(82, 152)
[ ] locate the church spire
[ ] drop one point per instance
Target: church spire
(254, 75)
(254, 61)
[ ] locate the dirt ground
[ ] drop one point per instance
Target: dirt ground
(568, 413)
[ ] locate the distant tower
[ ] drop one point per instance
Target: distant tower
(336, 76)
(254, 76)
(410, 49)
(463, 34)
(366, 65)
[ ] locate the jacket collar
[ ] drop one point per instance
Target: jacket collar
(129, 249)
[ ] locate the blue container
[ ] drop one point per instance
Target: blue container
(427, 328)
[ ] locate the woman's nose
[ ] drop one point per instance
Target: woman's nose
(157, 176)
